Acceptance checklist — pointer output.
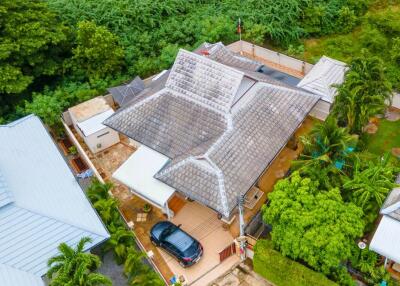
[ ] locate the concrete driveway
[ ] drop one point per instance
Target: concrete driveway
(202, 223)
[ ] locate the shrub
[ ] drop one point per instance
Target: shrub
(283, 271)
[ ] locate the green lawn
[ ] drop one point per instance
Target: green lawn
(387, 137)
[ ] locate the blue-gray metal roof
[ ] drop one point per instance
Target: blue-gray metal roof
(48, 206)
(5, 195)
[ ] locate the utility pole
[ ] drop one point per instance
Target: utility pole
(242, 238)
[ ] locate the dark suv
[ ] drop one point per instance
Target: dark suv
(177, 242)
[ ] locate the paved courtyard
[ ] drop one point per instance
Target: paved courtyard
(202, 223)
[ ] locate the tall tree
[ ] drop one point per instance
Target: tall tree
(74, 267)
(97, 53)
(364, 93)
(312, 225)
(31, 46)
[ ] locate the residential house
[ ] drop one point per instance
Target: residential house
(41, 204)
(208, 128)
(386, 237)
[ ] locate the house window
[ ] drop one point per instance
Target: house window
(101, 135)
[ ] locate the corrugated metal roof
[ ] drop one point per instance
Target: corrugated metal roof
(10, 276)
(49, 206)
(320, 80)
(386, 239)
(5, 195)
(95, 123)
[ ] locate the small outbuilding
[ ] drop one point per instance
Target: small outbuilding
(386, 238)
(322, 80)
(88, 118)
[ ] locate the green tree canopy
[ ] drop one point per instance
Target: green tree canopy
(74, 267)
(312, 225)
(364, 93)
(97, 53)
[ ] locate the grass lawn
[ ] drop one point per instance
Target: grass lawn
(387, 137)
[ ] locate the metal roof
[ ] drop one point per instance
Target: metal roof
(5, 195)
(386, 239)
(48, 207)
(321, 78)
(220, 131)
(95, 123)
(138, 174)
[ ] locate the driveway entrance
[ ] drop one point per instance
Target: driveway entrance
(203, 224)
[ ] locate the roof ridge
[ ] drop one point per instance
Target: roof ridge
(18, 121)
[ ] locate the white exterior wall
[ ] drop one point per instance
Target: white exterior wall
(105, 138)
(265, 54)
(321, 110)
(396, 100)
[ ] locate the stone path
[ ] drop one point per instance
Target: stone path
(241, 275)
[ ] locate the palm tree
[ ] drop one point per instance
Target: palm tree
(324, 146)
(139, 274)
(365, 92)
(108, 211)
(75, 267)
(121, 239)
(98, 191)
(371, 183)
(327, 138)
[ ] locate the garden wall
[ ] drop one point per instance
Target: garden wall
(283, 271)
(301, 67)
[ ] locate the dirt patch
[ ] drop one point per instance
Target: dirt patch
(371, 128)
(396, 152)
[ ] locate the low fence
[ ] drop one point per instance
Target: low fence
(274, 57)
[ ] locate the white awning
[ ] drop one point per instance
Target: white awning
(386, 240)
(95, 123)
(138, 172)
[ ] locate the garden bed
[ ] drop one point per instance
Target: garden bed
(283, 271)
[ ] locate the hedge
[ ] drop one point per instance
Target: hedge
(283, 271)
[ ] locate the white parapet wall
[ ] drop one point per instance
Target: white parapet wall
(396, 100)
(274, 57)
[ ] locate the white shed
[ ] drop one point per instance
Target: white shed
(88, 118)
(321, 80)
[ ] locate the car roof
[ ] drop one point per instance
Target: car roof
(180, 239)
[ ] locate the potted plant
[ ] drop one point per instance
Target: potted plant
(147, 208)
(73, 150)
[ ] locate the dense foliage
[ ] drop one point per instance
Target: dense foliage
(364, 94)
(122, 241)
(74, 267)
(283, 271)
(311, 224)
(90, 44)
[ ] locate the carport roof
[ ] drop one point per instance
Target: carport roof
(218, 144)
(138, 174)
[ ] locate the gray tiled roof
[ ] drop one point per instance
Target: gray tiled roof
(259, 130)
(219, 143)
(222, 54)
(168, 123)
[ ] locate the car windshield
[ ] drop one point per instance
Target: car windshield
(179, 239)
